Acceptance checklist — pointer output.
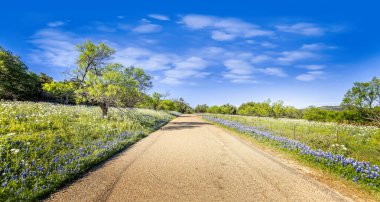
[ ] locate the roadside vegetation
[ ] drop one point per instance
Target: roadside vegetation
(43, 145)
(337, 158)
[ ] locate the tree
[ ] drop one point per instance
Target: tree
(182, 106)
(107, 84)
(365, 97)
(92, 58)
(278, 109)
(137, 82)
(155, 100)
(228, 109)
(62, 91)
(167, 105)
(214, 109)
(16, 82)
(113, 85)
(201, 108)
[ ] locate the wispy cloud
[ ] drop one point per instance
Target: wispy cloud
(159, 17)
(307, 29)
(273, 71)
(147, 27)
(297, 55)
(188, 68)
(313, 67)
(311, 76)
(223, 29)
(144, 58)
(316, 47)
(239, 71)
(55, 24)
(54, 48)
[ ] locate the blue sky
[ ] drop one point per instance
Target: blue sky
(211, 52)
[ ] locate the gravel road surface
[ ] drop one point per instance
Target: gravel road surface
(192, 160)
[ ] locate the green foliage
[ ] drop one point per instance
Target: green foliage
(181, 106)
(62, 92)
(92, 58)
(201, 108)
(107, 84)
(365, 97)
(224, 109)
(167, 105)
(262, 109)
(16, 82)
(44, 145)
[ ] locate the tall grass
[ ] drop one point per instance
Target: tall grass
(43, 145)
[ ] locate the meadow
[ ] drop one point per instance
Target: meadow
(44, 145)
(351, 151)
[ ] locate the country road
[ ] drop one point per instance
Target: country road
(192, 160)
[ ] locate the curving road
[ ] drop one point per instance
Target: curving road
(192, 160)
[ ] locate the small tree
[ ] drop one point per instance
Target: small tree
(201, 108)
(107, 84)
(63, 92)
(365, 97)
(113, 85)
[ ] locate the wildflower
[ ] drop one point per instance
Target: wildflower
(15, 151)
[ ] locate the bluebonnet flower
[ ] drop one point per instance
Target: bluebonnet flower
(363, 168)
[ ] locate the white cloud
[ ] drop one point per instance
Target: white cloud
(316, 47)
(191, 67)
(297, 55)
(273, 71)
(144, 58)
(159, 17)
(239, 71)
(54, 48)
(222, 36)
(147, 28)
(238, 67)
(224, 28)
(307, 29)
(311, 76)
(313, 67)
(56, 24)
(260, 59)
(267, 44)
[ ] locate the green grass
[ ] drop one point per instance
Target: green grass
(359, 142)
(44, 145)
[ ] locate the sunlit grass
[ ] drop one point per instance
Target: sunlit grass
(43, 145)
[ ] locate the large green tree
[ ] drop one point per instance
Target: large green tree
(107, 84)
(92, 59)
(365, 97)
(16, 82)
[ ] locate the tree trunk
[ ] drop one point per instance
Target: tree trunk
(66, 99)
(104, 108)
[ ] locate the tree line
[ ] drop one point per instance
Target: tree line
(95, 81)
(361, 104)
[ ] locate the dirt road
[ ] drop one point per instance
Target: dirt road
(191, 160)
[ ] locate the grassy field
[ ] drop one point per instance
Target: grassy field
(43, 145)
(350, 151)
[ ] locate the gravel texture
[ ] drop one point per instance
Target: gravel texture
(192, 160)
